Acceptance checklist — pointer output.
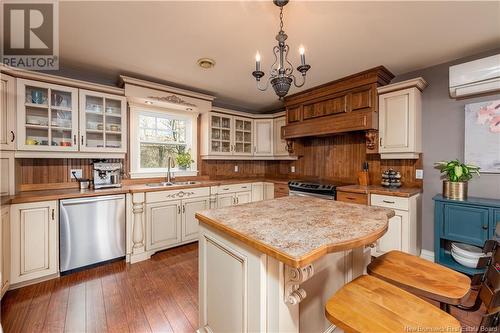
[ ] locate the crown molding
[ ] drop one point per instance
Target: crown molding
(247, 114)
(418, 83)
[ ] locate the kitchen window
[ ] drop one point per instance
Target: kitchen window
(158, 134)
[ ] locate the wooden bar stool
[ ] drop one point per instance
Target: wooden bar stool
(371, 305)
(421, 277)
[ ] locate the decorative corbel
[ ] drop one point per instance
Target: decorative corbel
(371, 141)
(293, 278)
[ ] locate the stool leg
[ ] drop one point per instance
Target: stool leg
(445, 307)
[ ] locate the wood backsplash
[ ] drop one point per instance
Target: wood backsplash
(333, 158)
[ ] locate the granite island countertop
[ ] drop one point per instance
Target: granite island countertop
(299, 230)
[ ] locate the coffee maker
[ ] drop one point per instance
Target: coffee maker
(107, 175)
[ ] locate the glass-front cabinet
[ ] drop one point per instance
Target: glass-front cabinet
(103, 122)
(242, 136)
(220, 134)
(47, 117)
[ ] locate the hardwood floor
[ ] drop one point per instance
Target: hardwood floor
(157, 295)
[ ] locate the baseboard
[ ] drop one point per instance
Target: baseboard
(427, 255)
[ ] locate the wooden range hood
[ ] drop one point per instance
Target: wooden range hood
(344, 105)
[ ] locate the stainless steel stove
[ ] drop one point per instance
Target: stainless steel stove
(320, 190)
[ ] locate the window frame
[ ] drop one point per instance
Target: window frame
(191, 141)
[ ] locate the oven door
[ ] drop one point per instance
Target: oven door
(308, 194)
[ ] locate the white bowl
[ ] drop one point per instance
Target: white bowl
(467, 262)
(468, 251)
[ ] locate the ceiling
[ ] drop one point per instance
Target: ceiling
(162, 40)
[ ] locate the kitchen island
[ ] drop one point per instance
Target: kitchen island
(270, 266)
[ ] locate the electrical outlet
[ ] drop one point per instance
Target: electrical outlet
(419, 174)
(78, 173)
(236, 168)
(292, 169)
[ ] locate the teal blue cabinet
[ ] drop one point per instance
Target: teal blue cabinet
(472, 221)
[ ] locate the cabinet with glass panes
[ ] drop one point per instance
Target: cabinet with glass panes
(47, 117)
(220, 134)
(242, 136)
(102, 122)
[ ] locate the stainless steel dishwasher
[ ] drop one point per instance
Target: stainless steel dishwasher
(92, 230)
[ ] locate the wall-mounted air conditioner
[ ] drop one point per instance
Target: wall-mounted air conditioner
(475, 77)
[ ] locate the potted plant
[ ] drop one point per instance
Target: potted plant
(184, 159)
(455, 178)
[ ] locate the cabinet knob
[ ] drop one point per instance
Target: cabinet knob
(485, 227)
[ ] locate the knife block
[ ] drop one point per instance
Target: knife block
(363, 178)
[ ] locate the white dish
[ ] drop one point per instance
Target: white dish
(468, 251)
(471, 263)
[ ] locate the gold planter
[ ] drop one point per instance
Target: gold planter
(455, 190)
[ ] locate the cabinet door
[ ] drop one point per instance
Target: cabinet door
(103, 122)
(220, 134)
(257, 192)
(7, 174)
(268, 191)
(242, 140)
(279, 143)
(163, 224)
(466, 224)
(495, 226)
(396, 237)
(395, 121)
(5, 250)
(243, 197)
(7, 112)
(225, 200)
(34, 240)
(189, 221)
(47, 116)
(263, 138)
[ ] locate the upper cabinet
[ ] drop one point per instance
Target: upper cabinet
(47, 117)
(57, 118)
(7, 112)
(263, 140)
(103, 122)
(400, 119)
(232, 136)
(344, 105)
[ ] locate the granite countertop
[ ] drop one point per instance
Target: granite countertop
(378, 189)
(299, 230)
(44, 195)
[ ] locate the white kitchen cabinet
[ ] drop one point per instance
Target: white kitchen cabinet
(242, 136)
(34, 241)
(403, 233)
(257, 192)
(263, 137)
(7, 173)
(163, 224)
(225, 200)
(189, 221)
(7, 112)
(400, 119)
(220, 134)
(103, 122)
(279, 143)
(47, 116)
(243, 197)
(5, 250)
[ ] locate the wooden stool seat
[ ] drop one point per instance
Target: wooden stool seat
(371, 305)
(421, 277)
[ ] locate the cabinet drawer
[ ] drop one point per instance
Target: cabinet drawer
(465, 224)
(233, 188)
(186, 193)
(359, 198)
(389, 201)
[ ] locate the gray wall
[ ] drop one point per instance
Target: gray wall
(443, 139)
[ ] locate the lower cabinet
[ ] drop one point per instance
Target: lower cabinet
(34, 241)
(189, 221)
(163, 224)
(5, 250)
(233, 199)
(262, 191)
(403, 232)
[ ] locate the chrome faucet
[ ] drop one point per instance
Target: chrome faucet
(170, 164)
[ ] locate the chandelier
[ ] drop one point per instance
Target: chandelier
(281, 76)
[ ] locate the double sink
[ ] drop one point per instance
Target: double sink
(172, 184)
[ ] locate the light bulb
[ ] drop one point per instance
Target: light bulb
(257, 57)
(302, 50)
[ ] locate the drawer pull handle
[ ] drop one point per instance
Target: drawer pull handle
(53, 217)
(485, 227)
(225, 189)
(389, 202)
(351, 198)
(13, 136)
